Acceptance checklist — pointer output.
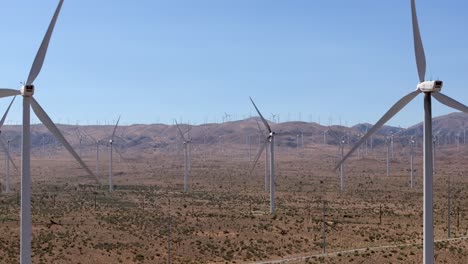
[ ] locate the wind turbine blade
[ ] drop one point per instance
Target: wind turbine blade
(45, 119)
(418, 46)
(259, 128)
(4, 148)
(260, 114)
(8, 92)
(115, 128)
(6, 112)
(87, 135)
(444, 99)
(41, 53)
(180, 131)
(118, 152)
(387, 116)
(257, 157)
(188, 130)
(95, 141)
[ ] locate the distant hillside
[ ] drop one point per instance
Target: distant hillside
(450, 125)
(165, 137)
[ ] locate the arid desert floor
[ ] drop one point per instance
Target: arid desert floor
(224, 218)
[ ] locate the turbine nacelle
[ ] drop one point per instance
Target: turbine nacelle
(27, 90)
(430, 86)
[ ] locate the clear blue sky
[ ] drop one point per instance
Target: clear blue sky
(153, 61)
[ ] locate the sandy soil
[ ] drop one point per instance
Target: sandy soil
(225, 217)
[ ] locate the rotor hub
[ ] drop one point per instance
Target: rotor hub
(27, 90)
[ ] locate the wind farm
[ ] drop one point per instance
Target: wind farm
(246, 137)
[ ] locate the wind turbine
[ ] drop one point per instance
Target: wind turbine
(226, 117)
(267, 175)
(325, 136)
(186, 142)
(391, 145)
(6, 149)
(342, 180)
(111, 142)
(7, 166)
(464, 135)
(270, 138)
(273, 118)
(27, 91)
(430, 89)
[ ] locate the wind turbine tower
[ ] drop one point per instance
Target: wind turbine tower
(270, 140)
(342, 144)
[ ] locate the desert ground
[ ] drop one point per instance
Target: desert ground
(224, 218)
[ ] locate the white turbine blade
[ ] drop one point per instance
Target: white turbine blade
(115, 128)
(4, 148)
(444, 99)
(387, 116)
(418, 46)
(180, 131)
(257, 157)
(45, 119)
(8, 92)
(261, 116)
(41, 53)
(6, 112)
